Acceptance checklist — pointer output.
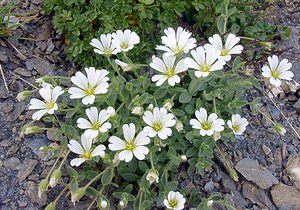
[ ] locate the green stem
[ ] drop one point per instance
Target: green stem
(122, 104)
(56, 161)
(62, 192)
(140, 199)
(215, 106)
(113, 66)
(62, 162)
(94, 179)
(225, 19)
(151, 159)
(92, 203)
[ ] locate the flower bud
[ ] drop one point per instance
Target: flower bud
(150, 107)
(152, 176)
(116, 160)
(209, 203)
(138, 110)
(44, 149)
(103, 204)
(266, 45)
(50, 206)
(77, 195)
(183, 158)
(31, 130)
(179, 125)
(23, 95)
(42, 187)
(55, 178)
(111, 111)
(122, 204)
(168, 104)
(217, 135)
(280, 129)
(39, 80)
(124, 66)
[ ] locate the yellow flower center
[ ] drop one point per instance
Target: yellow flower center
(130, 146)
(236, 128)
(90, 90)
(157, 126)
(224, 52)
(96, 126)
(206, 125)
(50, 104)
(107, 51)
(87, 155)
(124, 45)
(275, 73)
(170, 73)
(173, 203)
(205, 68)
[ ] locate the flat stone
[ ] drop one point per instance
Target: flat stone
(293, 168)
(266, 149)
(36, 143)
(11, 163)
(26, 169)
(43, 67)
(251, 170)
(18, 109)
(286, 197)
(256, 195)
(297, 105)
(32, 192)
(22, 72)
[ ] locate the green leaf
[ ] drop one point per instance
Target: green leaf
(107, 176)
(159, 93)
(220, 24)
(185, 97)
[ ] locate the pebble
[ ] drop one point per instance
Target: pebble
(26, 169)
(256, 195)
(297, 106)
(36, 143)
(22, 72)
(266, 149)
(32, 192)
(18, 109)
(252, 171)
(209, 186)
(11, 163)
(285, 197)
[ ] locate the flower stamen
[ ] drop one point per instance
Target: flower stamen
(173, 203)
(157, 126)
(206, 125)
(224, 52)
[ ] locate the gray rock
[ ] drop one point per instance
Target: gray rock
(266, 149)
(32, 192)
(43, 67)
(286, 197)
(22, 72)
(26, 169)
(256, 195)
(36, 143)
(297, 105)
(209, 186)
(18, 109)
(250, 169)
(3, 57)
(293, 168)
(11, 163)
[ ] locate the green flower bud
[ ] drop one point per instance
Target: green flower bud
(77, 195)
(44, 149)
(55, 178)
(280, 129)
(23, 95)
(50, 206)
(31, 130)
(43, 186)
(168, 104)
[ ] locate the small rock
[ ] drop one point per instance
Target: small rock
(256, 195)
(286, 197)
(26, 169)
(12, 150)
(18, 109)
(293, 167)
(35, 144)
(3, 57)
(251, 170)
(22, 204)
(43, 67)
(189, 187)
(266, 149)
(297, 105)
(32, 192)
(22, 72)
(3, 92)
(277, 157)
(11, 163)
(209, 186)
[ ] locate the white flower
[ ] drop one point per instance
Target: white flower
(277, 71)
(204, 62)
(150, 107)
(132, 145)
(88, 86)
(159, 122)
(123, 65)
(49, 105)
(111, 111)
(167, 69)
(126, 40)
(85, 151)
(175, 201)
(228, 49)
(152, 176)
(138, 110)
(97, 122)
(207, 125)
(104, 46)
(177, 42)
(237, 124)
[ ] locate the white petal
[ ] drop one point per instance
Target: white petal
(39, 114)
(98, 151)
(77, 161)
(129, 131)
(76, 93)
(92, 114)
(126, 155)
(140, 152)
(88, 100)
(86, 142)
(75, 147)
(142, 139)
(37, 104)
(83, 123)
(116, 143)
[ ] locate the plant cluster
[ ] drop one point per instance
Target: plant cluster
(8, 22)
(129, 128)
(81, 20)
